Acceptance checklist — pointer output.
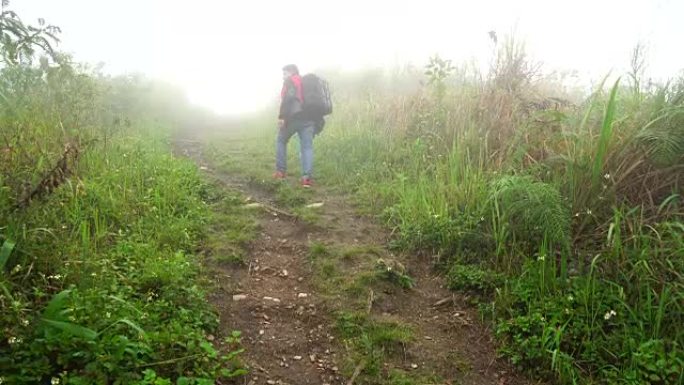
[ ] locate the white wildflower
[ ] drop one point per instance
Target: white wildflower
(108, 314)
(25, 322)
(570, 298)
(54, 381)
(12, 340)
(16, 269)
(607, 176)
(541, 258)
(588, 212)
(481, 219)
(609, 315)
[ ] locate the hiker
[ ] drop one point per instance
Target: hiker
(291, 121)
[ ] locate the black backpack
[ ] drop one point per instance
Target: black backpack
(317, 101)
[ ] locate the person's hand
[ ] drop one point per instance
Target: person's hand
(281, 123)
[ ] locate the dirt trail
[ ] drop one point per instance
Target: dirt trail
(288, 327)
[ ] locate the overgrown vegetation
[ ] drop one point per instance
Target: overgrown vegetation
(562, 210)
(99, 225)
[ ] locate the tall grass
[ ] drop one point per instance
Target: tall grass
(99, 225)
(577, 200)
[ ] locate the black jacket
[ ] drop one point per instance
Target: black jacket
(290, 105)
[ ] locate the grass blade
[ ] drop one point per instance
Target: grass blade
(606, 134)
(5, 252)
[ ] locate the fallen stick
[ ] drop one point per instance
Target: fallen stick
(271, 209)
(443, 301)
(370, 301)
(356, 373)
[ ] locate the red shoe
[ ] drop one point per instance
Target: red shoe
(279, 175)
(307, 182)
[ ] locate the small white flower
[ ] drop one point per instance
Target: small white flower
(588, 212)
(481, 219)
(607, 176)
(93, 274)
(571, 298)
(16, 269)
(609, 315)
(541, 258)
(108, 314)
(25, 322)
(12, 340)
(54, 381)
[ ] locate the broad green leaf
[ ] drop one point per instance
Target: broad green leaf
(73, 329)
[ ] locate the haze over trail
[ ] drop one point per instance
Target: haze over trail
(227, 55)
(389, 193)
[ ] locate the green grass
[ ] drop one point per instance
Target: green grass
(245, 155)
(566, 220)
(230, 227)
(525, 205)
(371, 341)
(350, 277)
(100, 275)
(103, 284)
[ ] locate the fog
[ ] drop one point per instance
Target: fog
(227, 55)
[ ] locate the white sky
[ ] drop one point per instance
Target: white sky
(227, 54)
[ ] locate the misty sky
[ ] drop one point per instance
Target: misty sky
(228, 54)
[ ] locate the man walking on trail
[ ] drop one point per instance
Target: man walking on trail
(291, 121)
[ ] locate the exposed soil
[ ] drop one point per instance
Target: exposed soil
(288, 325)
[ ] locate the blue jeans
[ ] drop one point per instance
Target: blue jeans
(305, 130)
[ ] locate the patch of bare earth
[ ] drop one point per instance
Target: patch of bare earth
(288, 326)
